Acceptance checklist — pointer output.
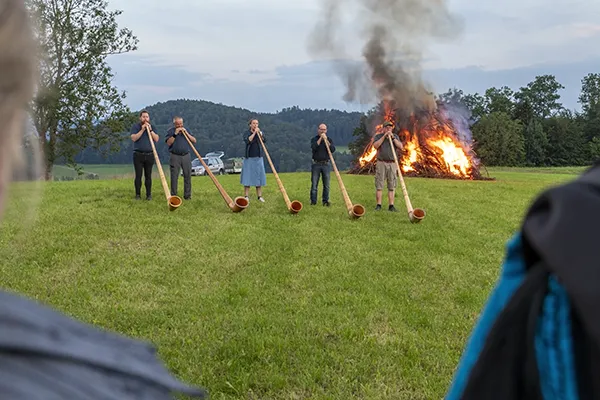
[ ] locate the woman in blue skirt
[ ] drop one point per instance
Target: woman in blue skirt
(253, 168)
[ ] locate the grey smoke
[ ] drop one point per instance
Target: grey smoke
(394, 35)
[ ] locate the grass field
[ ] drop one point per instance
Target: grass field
(267, 305)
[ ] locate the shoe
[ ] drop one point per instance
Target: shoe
(326, 204)
(261, 199)
(247, 199)
(138, 197)
(149, 197)
(313, 203)
(392, 208)
(378, 208)
(187, 198)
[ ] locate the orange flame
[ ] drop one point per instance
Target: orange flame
(435, 146)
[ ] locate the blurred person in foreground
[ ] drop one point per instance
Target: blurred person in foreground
(45, 354)
(538, 336)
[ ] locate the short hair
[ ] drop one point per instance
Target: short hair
(144, 112)
(175, 118)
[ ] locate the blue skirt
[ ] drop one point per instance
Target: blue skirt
(253, 172)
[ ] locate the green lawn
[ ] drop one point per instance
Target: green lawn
(268, 305)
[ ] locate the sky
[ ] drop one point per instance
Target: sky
(254, 54)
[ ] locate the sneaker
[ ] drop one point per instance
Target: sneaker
(149, 197)
(392, 208)
(138, 197)
(187, 198)
(247, 199)
(378, 208)
(326, 204)
(313, 203)
(261, 199)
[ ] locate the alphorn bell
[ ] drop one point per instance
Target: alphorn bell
(414, 215)
(236, 206)
(354, 211)
(173, 201)
(294, 206)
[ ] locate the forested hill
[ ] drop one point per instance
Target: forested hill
(220, 127)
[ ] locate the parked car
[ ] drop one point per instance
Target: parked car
(214, 163)
(233, 165)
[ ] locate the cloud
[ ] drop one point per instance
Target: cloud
(314, 85)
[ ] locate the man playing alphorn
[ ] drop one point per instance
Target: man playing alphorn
(320, 165)
(180, 157)
(385, 167)
(143, 157)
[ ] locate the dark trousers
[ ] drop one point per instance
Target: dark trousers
(178, 163)
(318, 171)
(143, 163)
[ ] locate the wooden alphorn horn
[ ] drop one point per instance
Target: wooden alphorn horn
(240, 203)
(354, 211)
(173, 201)
(414, 215)
(294, 206)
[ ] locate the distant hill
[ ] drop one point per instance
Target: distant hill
(220, 127)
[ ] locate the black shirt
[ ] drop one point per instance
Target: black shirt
(143, 143)
(319, 151)
(253, 148)
(180, 146)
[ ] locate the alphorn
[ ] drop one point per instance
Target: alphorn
(240, 203)
(173, 201)
(294, 206)
(414, 215)
(354, 211)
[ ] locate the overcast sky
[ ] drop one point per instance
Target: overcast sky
(253, 53)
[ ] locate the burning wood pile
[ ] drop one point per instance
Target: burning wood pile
(434, 146)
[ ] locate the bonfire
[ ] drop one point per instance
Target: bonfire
(434, 146)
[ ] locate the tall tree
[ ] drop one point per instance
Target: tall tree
(590, 105)
(542, 94)
(499, 100)
(76, 105)
(499, 140)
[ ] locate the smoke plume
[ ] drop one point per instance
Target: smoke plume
(394, 35)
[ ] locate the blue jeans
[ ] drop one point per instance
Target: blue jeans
(320, 170)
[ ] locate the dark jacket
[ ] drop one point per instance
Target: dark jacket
(46, 355)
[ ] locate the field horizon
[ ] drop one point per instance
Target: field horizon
(265, 304)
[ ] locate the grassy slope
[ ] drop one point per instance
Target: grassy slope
(263, 304)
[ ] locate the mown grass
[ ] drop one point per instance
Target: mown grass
(268, 305)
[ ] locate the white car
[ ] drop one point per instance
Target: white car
(215, 164)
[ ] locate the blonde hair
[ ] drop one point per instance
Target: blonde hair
(18, 73)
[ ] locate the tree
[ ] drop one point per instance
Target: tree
(590, 105)
(363, 137)
(566, 143)
(499, 140)
(75, 105)
(590, 92)
(542, 95)
(499, 100)
(536, 143)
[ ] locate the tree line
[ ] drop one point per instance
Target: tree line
(530, 126)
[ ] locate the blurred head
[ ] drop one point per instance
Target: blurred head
(322, 129)
(18, 71)
(144, 116)
(178, 122)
